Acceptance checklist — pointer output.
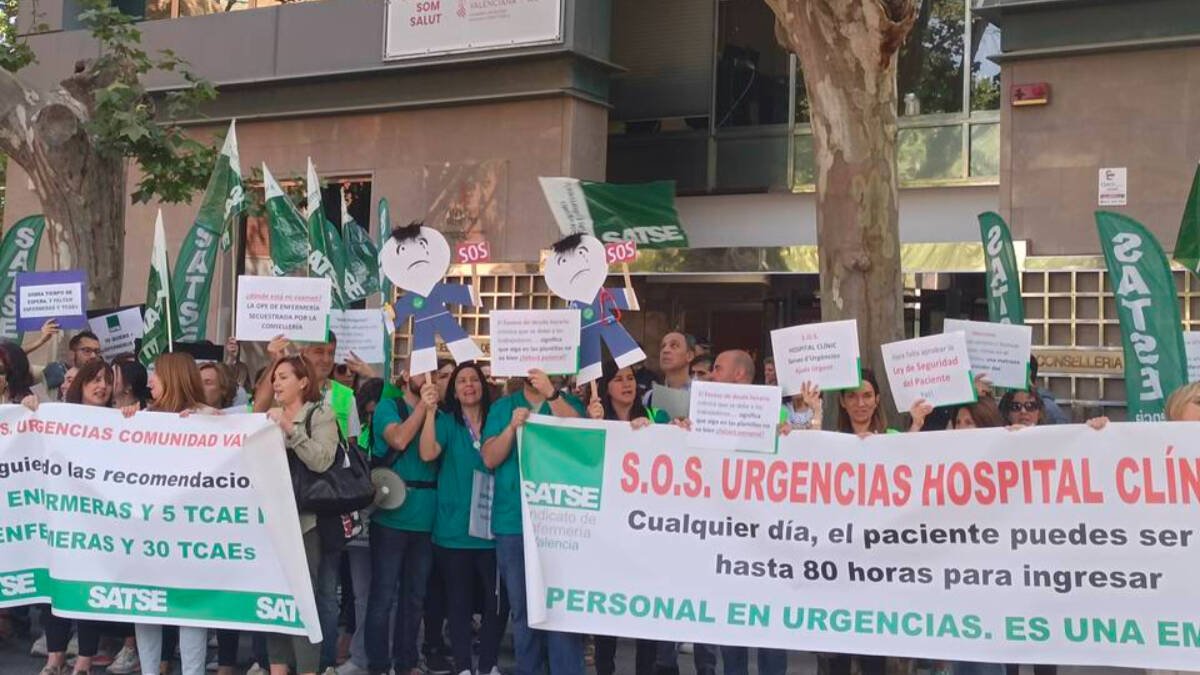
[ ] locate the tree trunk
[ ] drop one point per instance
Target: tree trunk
(82, 191)
(847, 51)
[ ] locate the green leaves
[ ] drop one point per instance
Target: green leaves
(15, 52)
(129, 121)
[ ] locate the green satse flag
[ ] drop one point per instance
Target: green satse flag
(362, 259)
(385, 231)
(1187, 244)
(642, 212)
(289, 232)
(18, 253)
(222, 205)
(1151, 330)
(1003, 280)
(326, 255)
(156, 320)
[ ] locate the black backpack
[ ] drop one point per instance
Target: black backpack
(342, 488)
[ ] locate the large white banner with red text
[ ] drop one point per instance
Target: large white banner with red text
(1047, 545)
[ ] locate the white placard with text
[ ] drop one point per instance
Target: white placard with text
(734, 416)
(524, 339)
(935, 368)
(825, 354)
(998, 351)
(295, 307)
(359, 331)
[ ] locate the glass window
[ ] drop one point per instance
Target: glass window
(752, 69)
(930, 71)
(802, 114)
(985, 75)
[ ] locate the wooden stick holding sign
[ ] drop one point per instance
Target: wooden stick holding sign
(624, 252)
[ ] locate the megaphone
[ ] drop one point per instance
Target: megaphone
(390, 490)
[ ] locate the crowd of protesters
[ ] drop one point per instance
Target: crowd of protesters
(420, 588)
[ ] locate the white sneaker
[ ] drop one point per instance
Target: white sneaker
(212, 666)
(351, 668)
(125, 663)
(495, 671)
(466, 672)
(73, 646)
(330, 671)
(256, 669)
(39, 647)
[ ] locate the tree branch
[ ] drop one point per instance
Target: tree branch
(18, 104)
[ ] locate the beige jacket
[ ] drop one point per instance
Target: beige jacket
(316, 451)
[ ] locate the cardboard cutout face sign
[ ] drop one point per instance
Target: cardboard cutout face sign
(417, 265)
(577, 274)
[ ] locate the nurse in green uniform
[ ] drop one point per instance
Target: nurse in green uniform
(454, 436)
(563, 652)
(401, 549)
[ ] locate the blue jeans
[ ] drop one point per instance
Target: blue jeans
(400, 564)
(532, 646)
(329, 575)
(770, 661)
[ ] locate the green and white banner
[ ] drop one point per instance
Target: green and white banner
(288, 229)
(1147, 306)
(327, 253)
(362, 258)
(220, 208)
(152, 519)
(1003, 279)
(18, 253)
(1055, 544)
(642, 212)
(158, 324)
(385, 286)
(1187, 244)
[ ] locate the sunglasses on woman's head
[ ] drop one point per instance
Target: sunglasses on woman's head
(1027, 406)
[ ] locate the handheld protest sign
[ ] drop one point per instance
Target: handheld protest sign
(295, 307)
(624, 252)
(935, 368)
(472, 253)
(575, 271)
(824, 354)
(999, 351)
(61, 296)
(416, 258)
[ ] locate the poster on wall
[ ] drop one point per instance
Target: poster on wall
(466, 201)
(421, 28)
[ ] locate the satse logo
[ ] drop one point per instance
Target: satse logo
(562, 467)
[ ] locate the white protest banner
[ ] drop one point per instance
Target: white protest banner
(295, 307)
(825, 354)
(359, 331)
(935, 368)
(1191, 344)
(1057, 544)
(152, 519)
(999, 351)
(523, 339)
(741, 416)
(117, 331)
